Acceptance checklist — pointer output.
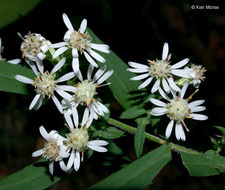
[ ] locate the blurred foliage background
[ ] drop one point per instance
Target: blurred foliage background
(135, 31)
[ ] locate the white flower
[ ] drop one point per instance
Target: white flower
(177, 110)
(13, 61)
(79, 41)
(34, 46)
(53, 150)
(161, 70)
(78, 141)
(196, 73)
(85, 92)
(45, 84)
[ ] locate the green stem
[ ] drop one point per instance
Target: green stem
(150, 137)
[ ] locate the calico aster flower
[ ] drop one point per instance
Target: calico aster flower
(177, 109)
(85, 92)
(79, 41)
(161, 70)
(54, 150)
(13, 61)
(45, 84)
(78, 141)
(34, 46)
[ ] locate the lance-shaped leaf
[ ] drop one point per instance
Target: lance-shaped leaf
(34, 176)
(138, 174)
(8, 83)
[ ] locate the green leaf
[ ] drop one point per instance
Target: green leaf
(139, 173)
(121, 85)
(112, 133)
(114, 149)
(222, 129)
(8, 83)
(11, 10)
(139, 140)
(34, 176)
(206, 164)
(132, 113)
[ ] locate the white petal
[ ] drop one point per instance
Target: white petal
(145, 83)
(40, 65)
(85, 116)
(32, 66)
(169, 129)
(159, 111)
(157, 102)
(75, 53)
(183, 90)
(64, 94)
(44, 133)
(67, 22)
(68, 119)
(75, 65)
(63, 166)
(97, 148)
(198, 108)
(138, 65)
(98, 142)
(90, 71)
(71, 160)
(102, 107)
(13, 61)
(90, 60)
(34, 101)
(139, 70)
(195, 103)
(38, 153)
(51, 167)
(97, 56)
(99, 73)
(165, 85)
(41, 56)
(90, 119)
(77, 161)
(67, 36)
(57, 103)
(75, 116)
(67, 88)
(155, 86)
(66, 77)
(180, 64)
(79, 75)
(100, 47)
(38, 104)
(165, 51)
(105, 77)
(179, 132)
(140, 77)
(58, 65)
(172, 84)
(199, 117)
(24, 79)
(83, 26)
(162, 93)
(59, 45)
(59, 51)
(0, 44)
(180, 73)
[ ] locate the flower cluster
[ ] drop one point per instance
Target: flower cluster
(162, 72)
(69, 99)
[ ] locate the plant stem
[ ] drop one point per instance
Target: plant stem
(150, 137)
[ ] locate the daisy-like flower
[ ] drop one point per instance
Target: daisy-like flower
(45, 84)
(85, 92)
(78, 141)
(13, 61)
(161, 70)
(177, 110)
(79, 41)
(196, 73)
(34, 46)
(54, 150)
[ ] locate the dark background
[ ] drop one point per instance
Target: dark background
(135, 31)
